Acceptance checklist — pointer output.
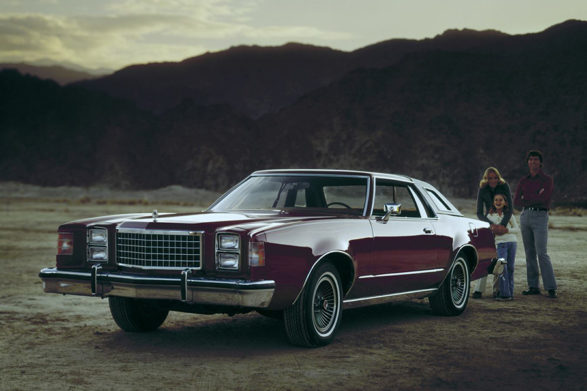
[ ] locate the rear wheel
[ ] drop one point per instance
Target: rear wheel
(137, 315)
(453, 295)
(314, 318)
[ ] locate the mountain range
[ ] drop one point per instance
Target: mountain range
(256, 80)
(62, 74)
(441, 109)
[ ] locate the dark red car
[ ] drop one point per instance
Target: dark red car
(298, 244)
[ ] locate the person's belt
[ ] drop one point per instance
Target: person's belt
(537, 209)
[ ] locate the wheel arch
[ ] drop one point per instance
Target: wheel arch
(470, 254)
(344, 264)
(453, 293)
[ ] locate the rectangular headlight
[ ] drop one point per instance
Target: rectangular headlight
(227, 261)
(98, 236)
(97, 254)
(228, 242)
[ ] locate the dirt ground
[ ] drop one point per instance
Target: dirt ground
(53, 342)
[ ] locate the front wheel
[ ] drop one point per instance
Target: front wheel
(137, 315)
(314, 318)
(453, 294)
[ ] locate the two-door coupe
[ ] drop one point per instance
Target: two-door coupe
(298, 244)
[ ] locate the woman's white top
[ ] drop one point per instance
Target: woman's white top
(512, 227)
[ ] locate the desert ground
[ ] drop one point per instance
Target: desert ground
(52, 342)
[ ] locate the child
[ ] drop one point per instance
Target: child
(506, 248)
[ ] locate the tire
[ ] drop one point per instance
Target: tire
(453, 295)
(137, 315)
(314, 318)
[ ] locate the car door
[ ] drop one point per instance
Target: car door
(405, 249)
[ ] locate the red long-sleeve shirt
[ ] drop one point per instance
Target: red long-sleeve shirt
(534, 191)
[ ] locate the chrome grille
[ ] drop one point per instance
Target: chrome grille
(150, 249)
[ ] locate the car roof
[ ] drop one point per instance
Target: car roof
(298, 171)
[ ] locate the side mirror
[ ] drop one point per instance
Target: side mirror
(391, 210)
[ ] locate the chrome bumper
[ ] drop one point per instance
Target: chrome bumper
(189, 289)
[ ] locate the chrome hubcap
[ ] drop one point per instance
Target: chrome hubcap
(457, 284)
(325, 303)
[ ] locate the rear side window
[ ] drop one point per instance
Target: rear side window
(438, 201)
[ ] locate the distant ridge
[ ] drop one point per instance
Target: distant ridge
(60, 74)
(256, 80)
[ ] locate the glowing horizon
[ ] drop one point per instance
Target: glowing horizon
(116, 33)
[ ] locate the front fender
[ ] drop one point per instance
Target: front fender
(292, 254)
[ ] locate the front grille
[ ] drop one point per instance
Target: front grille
(149, 249)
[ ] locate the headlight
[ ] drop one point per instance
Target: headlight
(227, 261)
(97, 254)
(228, 251)
(98, 236)
(228, 242)
(97, 245)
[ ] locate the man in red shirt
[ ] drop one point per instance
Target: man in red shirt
(533, 195)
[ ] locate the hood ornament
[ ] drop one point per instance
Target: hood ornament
(155, 215)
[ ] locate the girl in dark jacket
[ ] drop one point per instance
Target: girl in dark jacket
(491, 184)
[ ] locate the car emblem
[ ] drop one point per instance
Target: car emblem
(155, 214)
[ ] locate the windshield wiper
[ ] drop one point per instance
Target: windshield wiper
(279, 194)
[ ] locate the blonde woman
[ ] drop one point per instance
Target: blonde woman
(491, 184)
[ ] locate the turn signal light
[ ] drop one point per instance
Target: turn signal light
(256, 254)
(65, 243)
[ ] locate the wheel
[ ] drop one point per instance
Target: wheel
(339, 203)
(314, 318)
(137, 315)
(453, 295)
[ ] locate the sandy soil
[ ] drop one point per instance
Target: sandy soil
(53, 342)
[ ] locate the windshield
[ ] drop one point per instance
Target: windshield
(345, 194)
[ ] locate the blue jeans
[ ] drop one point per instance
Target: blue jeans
(507, 251)
(534, 227)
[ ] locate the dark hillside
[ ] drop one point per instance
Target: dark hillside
(252, 79)
(446, 125)
(442, 115)
(257, 80)
(52, 135)
(61, 75)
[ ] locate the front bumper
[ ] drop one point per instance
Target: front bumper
(186, 288)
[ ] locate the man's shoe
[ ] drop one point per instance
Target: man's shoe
(476, 295)
(552, 294)
(532, 291)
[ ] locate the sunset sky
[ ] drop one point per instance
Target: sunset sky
(116, 33)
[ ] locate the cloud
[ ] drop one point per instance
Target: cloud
(110, 41)
(299, 32)
(31, 34)
(118, 33)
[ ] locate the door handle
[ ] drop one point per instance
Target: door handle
(427, 230)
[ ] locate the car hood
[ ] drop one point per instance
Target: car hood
(210, 221)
